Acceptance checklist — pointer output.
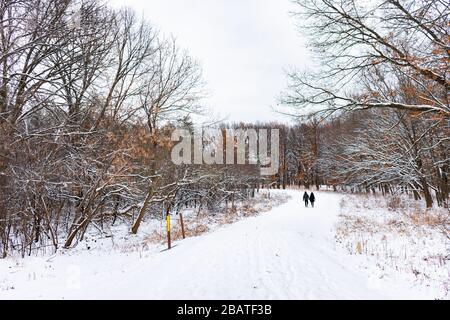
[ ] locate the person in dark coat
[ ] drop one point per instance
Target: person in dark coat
(312, 198)
(306, 199)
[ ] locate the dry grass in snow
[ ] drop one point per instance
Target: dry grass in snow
(152, 232)
(197, 223)
(399, 237)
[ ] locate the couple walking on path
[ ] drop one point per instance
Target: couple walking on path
(311, 198)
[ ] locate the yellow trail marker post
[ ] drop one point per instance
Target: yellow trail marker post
(168, 227)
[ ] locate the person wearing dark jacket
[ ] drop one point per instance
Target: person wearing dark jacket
(306, 199)
(312, 198)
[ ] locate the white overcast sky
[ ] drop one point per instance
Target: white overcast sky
(243, 46)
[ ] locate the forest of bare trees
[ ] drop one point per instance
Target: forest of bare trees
(89, 96)
(375, 112)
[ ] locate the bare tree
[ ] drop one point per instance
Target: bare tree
(351, 38)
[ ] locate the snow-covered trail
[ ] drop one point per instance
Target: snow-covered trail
(287, 253)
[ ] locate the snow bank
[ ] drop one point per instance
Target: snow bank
(396, 238)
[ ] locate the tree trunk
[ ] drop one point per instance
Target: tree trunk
(141, 215)
(426, 192)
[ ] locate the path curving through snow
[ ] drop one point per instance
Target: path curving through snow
(286, 253)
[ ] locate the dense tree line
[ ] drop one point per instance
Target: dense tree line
(386, 151)
(375, 109)
(88, 98)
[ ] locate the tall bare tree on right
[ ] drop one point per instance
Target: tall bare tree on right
(380, 55)
(353, 38)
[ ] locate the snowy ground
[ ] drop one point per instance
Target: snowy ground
(395, 238)
(289, 252)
